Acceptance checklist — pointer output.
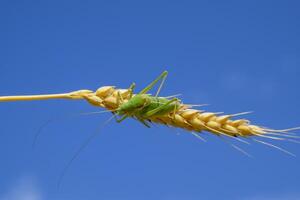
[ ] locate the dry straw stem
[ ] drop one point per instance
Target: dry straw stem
(185, 117)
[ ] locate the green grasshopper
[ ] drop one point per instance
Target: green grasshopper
(142, 106)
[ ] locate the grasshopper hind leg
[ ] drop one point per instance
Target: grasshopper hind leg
(162, 77)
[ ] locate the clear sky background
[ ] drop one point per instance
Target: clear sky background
(234, 55)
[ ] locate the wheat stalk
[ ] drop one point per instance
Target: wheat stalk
(185, 117)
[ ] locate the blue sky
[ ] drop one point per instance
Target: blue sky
(234, 55)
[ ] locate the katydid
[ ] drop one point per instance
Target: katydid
(142, 106)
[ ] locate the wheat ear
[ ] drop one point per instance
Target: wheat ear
(187, 118)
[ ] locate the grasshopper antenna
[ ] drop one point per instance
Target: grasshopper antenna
(82, 147)
(57, 118)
